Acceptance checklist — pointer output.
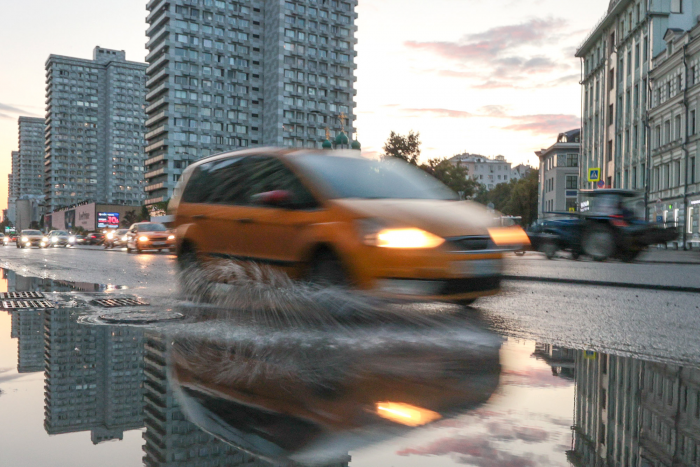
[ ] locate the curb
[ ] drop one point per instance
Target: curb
(626, 285)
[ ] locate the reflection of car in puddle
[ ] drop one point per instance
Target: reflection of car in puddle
(312, 396)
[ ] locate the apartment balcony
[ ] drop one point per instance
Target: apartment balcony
(154, 187)
(156, 118)
(157, 91)
(156, 145)
(157, 63)
(154, 160)
(155, 105)
(157, 77)
(157, 37)
(158, 131)
(157, 23)
(155, 52)
(154, 173)
(155, 7)
(157, 199)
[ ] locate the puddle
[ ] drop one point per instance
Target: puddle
(217, 389)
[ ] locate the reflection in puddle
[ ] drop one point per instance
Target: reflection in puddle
(438, 391)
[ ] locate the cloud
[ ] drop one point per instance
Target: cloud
(543, 124)
(506, 56)
(478, 451)
(13, 110)
(438, 113)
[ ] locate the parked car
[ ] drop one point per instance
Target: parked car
(29, 238)
(380, 226)
(94, 238)
(116, 238)
(60, 238)
(149, 236)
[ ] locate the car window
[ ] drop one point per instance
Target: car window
(270, 174)
(31, 232)
(214, 181)
(152, 228)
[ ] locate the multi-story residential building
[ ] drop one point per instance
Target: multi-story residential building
(616, 61)
(29, 178)
(94, 130)
(13, 188)
(559, 174)
(485, 170)
(520, 171)
(226, 75)
(94, 377)
(30, 348)
(674, 191)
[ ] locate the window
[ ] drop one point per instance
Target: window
(691, 175)
(572, 160)
(611, 79)
(676, 6)
(677, 121)
(571, 182)
(692, 122)
(677, 173)
(667, 131)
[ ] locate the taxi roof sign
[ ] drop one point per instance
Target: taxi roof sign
(594, 175)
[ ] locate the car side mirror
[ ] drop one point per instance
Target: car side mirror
(276, 198)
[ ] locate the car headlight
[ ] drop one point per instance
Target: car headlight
(509, 236)
(124, 238)
(172, 237)
(53, 239)
(143, 239)
(71, 239)
(25, 239)
(375, 234)
(110, 236)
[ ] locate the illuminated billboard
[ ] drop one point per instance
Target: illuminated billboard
(107, 220)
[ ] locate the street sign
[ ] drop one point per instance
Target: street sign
(593, 175)
(589, 355)
(659, 219)
(572, 209)
(601, 184)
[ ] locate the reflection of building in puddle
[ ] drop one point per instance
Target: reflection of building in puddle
(94, 377)
(18, 283)
(171, 440)
(636, 413)
(559, 358)
(14, 329)
(30, 346)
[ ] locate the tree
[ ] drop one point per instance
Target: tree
(454, 176)
(129, 218)
(515, 198)
(403, 147)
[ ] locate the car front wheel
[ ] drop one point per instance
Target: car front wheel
(327, 269)
(599, 243)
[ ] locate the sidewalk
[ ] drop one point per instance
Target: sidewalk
(654, 255)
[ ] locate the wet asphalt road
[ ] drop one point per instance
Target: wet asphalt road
(607, 307)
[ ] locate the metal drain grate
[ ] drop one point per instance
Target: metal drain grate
(20, 295)
(117, 302)
(26, 304)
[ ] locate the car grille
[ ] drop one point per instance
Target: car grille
(471, 243)
(158, 239)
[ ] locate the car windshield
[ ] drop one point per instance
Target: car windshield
(346, 177)
(60, 232)
(122, 231)
(31, 232)
(152, 228)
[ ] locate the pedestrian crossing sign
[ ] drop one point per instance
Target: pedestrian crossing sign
(593, 175)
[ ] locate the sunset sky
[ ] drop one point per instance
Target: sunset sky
(482, 76)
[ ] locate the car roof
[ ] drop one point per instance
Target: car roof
(275, 152)
(611, 191)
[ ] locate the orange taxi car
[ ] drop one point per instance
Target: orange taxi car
(336, 217)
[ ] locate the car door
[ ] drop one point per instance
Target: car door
(277, 234)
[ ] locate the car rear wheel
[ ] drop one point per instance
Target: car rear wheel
(599, 243)
(327, 269)
(549, 249)
(187, 257)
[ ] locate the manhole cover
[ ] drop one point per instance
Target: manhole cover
(20, 295)
(119, 302)
(140, 316)
(26, 304)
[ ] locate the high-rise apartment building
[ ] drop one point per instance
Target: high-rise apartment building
(230, 74)
(12, 188)
(94, 130)
(558, 175)
(30, 163)
(616, 60)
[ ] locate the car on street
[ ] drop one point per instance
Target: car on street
(2, 239)
(60, 238)
(80, 239)
(610, 224)
(116, 238)
(29, 238)
(149, 236)
(94, 238)
(338, 218)
(9, 238)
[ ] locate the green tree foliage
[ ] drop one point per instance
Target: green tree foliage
(454, 176)
(515, 198)
(130, 217)
(403, 147)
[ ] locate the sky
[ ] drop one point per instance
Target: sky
(491, 77)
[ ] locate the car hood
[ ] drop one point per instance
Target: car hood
(440, 217)
(154, 234)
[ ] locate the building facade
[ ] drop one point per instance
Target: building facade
(95, 125)
(616, 61)
(12, 189)
(559, 175)
(485, 170)
(29, 178)
(674, 188)
(228, 75)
